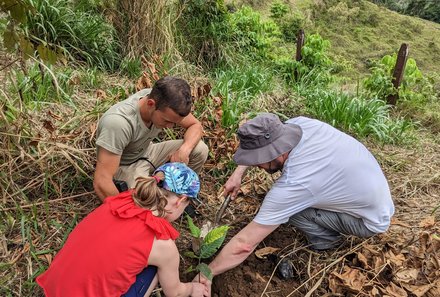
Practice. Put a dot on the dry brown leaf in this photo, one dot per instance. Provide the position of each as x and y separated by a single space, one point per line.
407 275
335 284
352 279
427 222
100 94
397 222
363 260
48 125
374 292
263 252
395 259
378 263
419 291
395 291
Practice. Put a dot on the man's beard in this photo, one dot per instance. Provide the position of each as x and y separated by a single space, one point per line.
278 166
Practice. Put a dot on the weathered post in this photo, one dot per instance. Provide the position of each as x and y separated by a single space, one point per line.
399 69
299 45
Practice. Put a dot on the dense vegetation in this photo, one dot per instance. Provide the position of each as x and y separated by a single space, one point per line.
68 61
425 9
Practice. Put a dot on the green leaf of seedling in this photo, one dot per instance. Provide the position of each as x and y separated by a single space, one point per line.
215 234
190 254
10 39
189 269
212 241
205 270
195 231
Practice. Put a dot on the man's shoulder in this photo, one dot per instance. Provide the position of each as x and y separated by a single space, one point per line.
129 106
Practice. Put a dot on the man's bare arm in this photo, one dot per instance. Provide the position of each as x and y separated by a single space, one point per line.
106 167
193 134
240 247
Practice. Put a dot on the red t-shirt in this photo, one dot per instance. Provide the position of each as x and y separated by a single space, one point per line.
105 252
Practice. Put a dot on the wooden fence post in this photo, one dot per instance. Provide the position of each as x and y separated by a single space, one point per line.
399 69
299 44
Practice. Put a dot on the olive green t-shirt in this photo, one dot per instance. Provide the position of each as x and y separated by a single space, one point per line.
122 131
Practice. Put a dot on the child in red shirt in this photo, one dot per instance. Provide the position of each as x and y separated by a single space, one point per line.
127 236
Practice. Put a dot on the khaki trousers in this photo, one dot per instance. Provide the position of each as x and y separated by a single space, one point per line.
158 154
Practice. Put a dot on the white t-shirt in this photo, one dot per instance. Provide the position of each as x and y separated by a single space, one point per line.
329 170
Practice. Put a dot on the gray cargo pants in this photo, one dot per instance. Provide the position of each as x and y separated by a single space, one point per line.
323 228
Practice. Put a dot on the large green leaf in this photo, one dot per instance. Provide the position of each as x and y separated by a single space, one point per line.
195 231
46 54
215 234
205 270
190 254
212 241
26 47
16 8
10 39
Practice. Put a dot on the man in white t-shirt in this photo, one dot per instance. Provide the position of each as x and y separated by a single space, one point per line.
330 186
126 131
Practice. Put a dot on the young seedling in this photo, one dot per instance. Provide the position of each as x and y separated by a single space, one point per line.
205 246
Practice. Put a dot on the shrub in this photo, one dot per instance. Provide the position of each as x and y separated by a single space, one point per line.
206 245
315 61
204 30
253 36
414 86
278 10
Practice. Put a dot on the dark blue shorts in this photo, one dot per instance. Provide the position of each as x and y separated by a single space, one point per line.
142 283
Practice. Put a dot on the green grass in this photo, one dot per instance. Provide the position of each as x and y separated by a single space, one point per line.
42 85
370 32
358 115
238 88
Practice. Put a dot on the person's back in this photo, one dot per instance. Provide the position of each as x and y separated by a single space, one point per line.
105 253
341 174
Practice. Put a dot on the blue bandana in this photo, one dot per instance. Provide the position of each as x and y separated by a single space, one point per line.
180 179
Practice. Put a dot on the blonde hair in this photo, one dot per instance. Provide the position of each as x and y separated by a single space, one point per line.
148 195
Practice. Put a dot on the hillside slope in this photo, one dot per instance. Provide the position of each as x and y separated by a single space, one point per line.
360 31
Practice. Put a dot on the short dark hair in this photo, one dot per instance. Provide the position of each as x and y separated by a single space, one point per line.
172 92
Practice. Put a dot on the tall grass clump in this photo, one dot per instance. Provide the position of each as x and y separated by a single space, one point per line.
214 37
146 27
358 115
238 87
41 85
77 34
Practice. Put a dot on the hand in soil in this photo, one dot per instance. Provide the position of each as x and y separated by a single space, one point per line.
199 290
